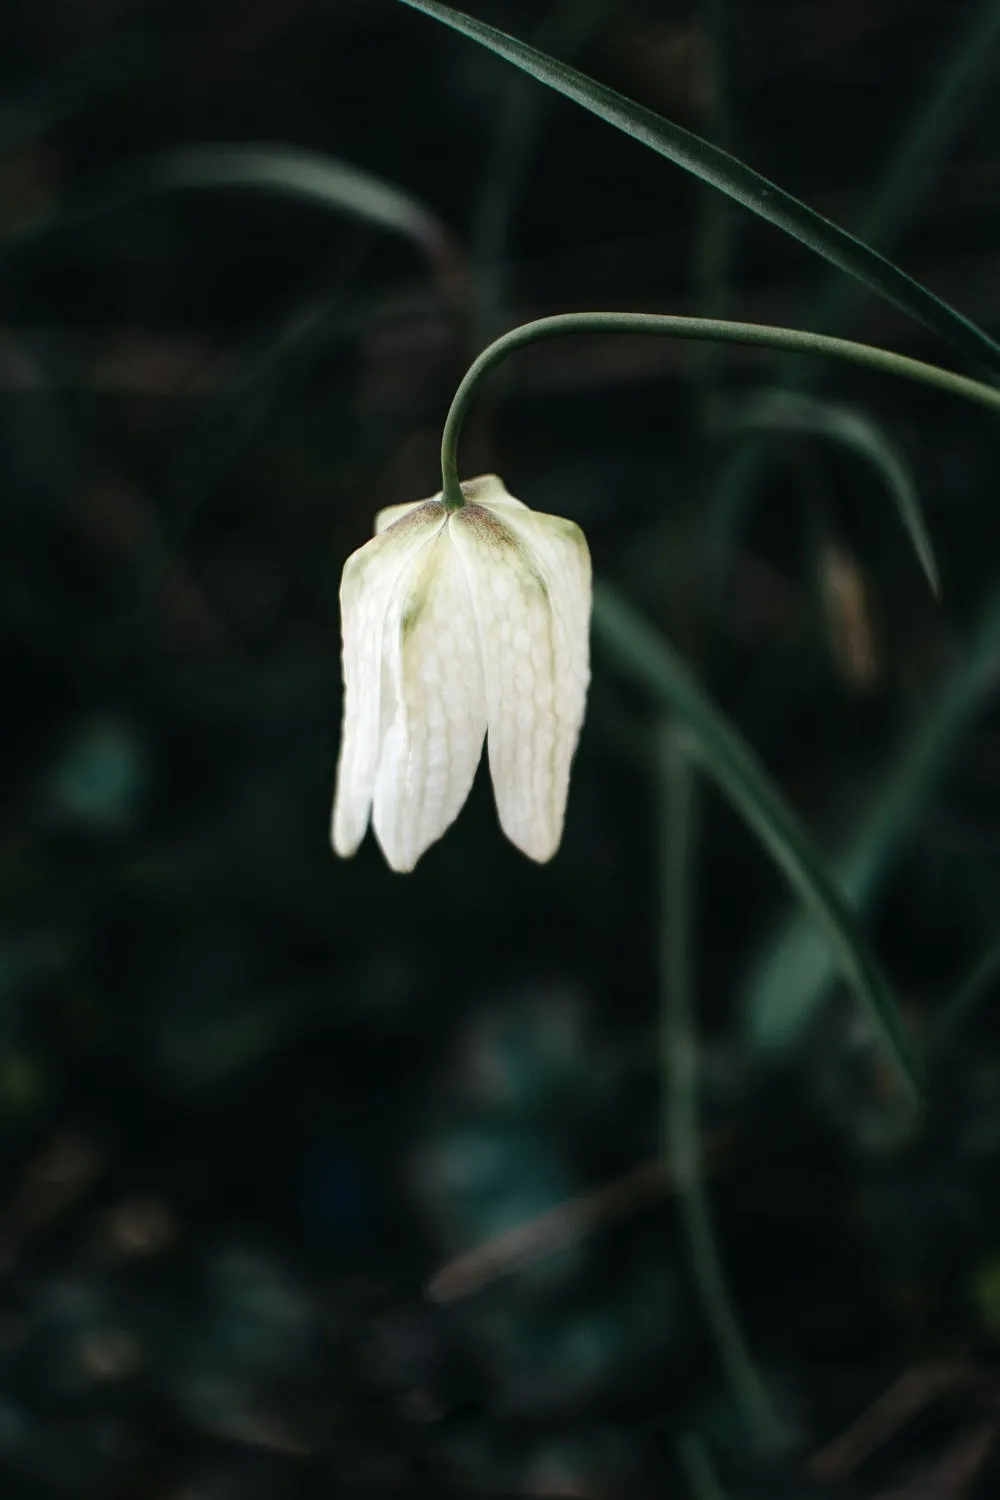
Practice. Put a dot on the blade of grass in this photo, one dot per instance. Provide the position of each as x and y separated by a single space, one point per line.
790 412
307 176
733 177
645 657
679 1060
284 358
794 973
955 90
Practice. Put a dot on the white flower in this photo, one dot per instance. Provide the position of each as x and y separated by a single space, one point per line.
455 623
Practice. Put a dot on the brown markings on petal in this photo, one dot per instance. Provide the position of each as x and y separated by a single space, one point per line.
487 524
431 510
508 547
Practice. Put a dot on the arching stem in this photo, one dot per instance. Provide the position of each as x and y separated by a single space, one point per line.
662 325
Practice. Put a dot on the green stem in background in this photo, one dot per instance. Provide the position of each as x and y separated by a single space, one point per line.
787 413
791 977
644 656
663 325
734 178
955 90
679 1063
307 176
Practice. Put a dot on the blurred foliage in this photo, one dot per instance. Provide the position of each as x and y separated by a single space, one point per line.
318 1181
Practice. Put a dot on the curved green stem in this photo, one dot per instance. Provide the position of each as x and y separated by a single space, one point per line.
679 1050
663 325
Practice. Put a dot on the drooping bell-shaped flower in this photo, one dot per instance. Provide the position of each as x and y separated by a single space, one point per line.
458 624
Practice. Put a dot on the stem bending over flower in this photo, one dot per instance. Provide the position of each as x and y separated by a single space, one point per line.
664 325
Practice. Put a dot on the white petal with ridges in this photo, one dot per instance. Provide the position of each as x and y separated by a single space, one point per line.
370 578
489 490
530 579
433 675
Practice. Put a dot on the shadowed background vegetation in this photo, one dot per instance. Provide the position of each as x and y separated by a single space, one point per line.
589 1179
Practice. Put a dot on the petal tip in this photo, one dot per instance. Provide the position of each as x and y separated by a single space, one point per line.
343 842
400 862
540 847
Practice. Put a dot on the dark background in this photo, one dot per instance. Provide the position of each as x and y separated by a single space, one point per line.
252 1099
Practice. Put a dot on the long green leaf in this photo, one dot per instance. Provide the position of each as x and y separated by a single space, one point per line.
308 176
792 412
734 178
794 973
932 125
678 823
957 88
643 654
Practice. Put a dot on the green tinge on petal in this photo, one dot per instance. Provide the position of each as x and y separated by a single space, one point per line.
433 682
454 623
370 577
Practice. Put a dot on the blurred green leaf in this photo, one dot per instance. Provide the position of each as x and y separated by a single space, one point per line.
677 799
733 177
792 976
790 412
956 89
650 661
308 176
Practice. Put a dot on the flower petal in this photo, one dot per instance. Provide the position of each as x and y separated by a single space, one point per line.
393 513
432 668
489 490
369 579
530 578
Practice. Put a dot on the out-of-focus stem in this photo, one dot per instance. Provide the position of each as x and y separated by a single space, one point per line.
679 1058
